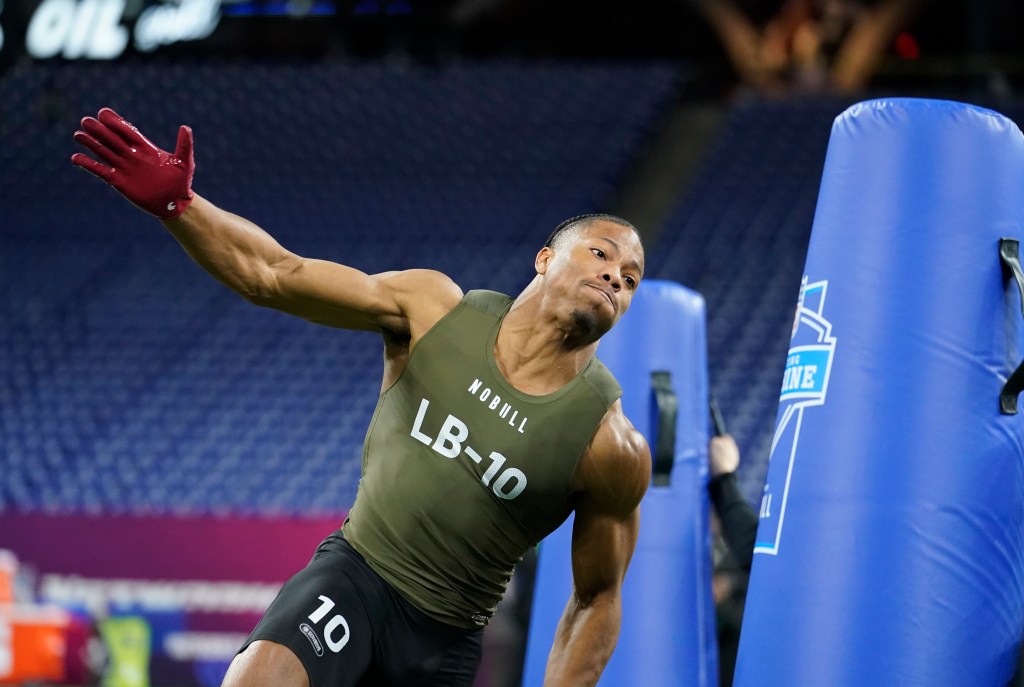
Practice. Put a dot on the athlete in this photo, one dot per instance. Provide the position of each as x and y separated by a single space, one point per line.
494 423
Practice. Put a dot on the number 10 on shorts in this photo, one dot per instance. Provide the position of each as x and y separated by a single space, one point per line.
337 622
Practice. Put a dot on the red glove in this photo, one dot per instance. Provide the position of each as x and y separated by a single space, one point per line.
152 179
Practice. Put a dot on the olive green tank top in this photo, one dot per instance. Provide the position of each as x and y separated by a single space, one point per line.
462 473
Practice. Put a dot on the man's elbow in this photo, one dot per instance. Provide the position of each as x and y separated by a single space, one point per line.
261 299
608 599
257 292
265 284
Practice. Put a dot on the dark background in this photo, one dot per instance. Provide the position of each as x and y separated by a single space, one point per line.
958 44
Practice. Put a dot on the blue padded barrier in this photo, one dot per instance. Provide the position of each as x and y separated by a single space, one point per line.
891 543
668 622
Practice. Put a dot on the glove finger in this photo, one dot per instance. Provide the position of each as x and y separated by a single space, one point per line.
89 165
100 150
123 128
105 136
183 150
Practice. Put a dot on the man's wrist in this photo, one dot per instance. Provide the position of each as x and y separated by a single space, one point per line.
722 488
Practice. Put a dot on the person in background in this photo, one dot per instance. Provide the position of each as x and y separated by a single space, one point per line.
808 45
734 526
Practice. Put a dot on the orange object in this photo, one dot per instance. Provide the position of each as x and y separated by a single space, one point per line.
8 570
32 644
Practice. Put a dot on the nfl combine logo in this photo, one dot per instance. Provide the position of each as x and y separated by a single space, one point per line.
804 384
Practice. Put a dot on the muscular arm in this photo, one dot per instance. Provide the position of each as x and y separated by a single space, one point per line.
246 258
739 520
250 262
614 475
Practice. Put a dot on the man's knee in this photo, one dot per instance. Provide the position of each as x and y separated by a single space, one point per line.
266 664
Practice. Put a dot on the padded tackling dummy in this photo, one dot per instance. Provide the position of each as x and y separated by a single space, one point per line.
658 352
889 550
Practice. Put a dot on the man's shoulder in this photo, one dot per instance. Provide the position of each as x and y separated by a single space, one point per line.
618 436
616 469
422 281
488 301
603 382
424 296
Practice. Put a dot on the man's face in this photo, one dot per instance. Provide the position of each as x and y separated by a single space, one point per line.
596 269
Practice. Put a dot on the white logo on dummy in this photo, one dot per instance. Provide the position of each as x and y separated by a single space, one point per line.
805 384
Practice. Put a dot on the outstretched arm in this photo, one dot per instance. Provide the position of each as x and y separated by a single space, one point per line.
739 520
864 48
250 262
614 474
244 257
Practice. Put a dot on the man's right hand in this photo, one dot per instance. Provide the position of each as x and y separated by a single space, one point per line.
152 179
723 455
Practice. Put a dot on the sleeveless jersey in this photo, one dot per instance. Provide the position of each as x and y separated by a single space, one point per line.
462 473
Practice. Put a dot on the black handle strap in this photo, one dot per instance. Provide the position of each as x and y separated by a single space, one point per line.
1009 253
717 421
666 408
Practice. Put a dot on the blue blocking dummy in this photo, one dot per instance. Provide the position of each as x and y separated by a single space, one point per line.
658 352
890 549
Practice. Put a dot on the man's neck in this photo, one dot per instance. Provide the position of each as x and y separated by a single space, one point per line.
535 349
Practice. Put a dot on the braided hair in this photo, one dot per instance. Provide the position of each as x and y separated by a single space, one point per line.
582 221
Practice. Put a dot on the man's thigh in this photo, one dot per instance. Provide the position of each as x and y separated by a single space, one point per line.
266 664
320 618
415 649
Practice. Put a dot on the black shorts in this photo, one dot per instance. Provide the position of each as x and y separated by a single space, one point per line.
351 628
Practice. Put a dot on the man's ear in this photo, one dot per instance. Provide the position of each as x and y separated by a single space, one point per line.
543 259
